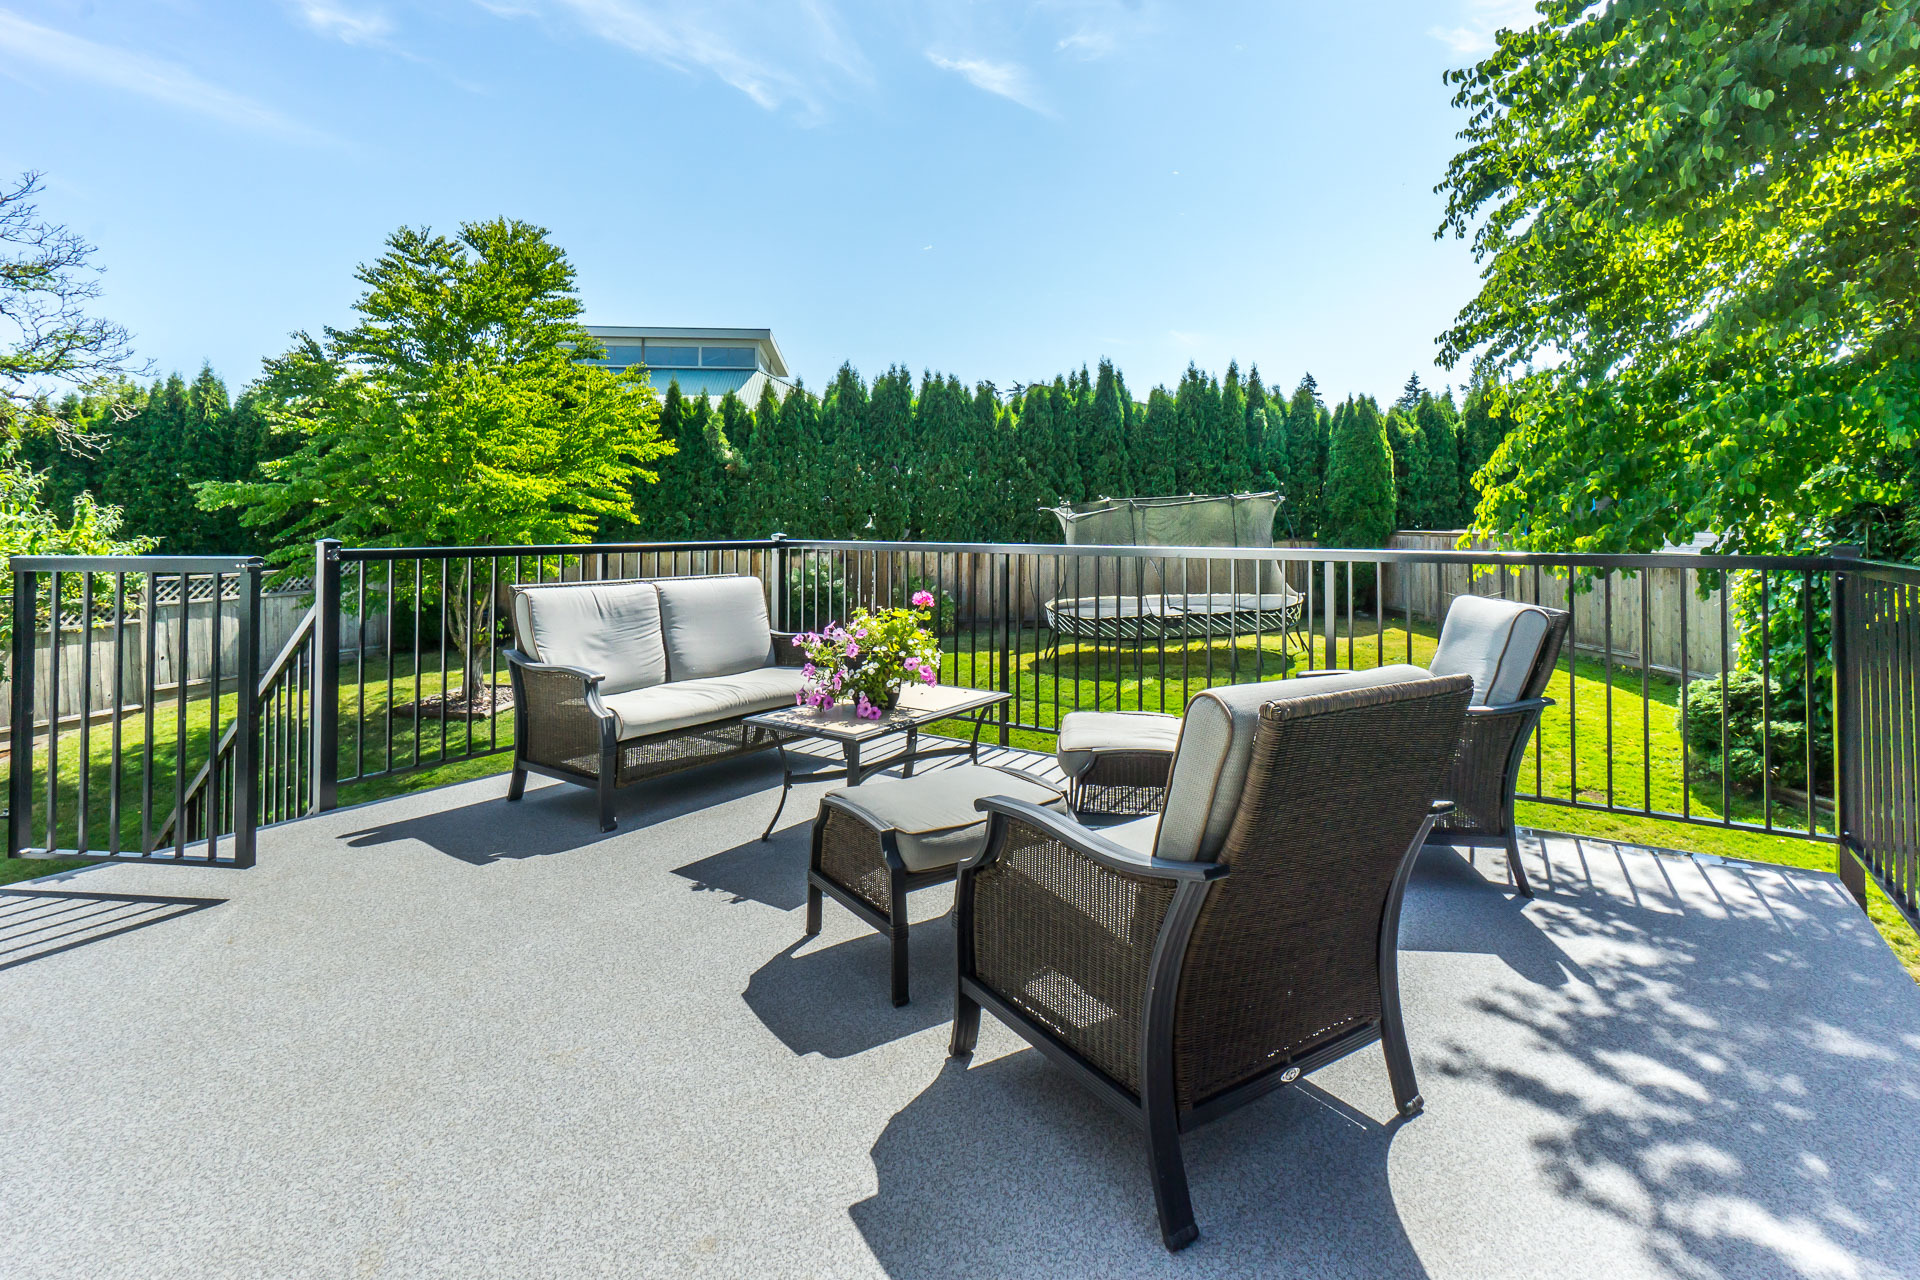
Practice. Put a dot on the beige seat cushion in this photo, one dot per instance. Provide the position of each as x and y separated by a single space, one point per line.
687 703
714 626
932 816
1494 641
1216 744
1085 735
1135 837
609 627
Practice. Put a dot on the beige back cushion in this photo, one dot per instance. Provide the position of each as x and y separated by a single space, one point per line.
1494 641
1216 746
714 626
609 627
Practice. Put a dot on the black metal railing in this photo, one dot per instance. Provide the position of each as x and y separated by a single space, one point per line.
118 700
1695 689
1877 641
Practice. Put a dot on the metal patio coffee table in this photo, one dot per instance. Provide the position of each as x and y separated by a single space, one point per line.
919 705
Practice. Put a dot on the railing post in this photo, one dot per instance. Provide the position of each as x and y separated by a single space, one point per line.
777 588
1327 610
1005 684
20 750
1852 872
326 664
245 769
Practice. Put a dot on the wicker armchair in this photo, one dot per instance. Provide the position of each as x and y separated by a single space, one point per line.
1510 650
1185 964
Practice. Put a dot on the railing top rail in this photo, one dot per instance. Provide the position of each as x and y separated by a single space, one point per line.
550 549
1883 570
1381 555
133 564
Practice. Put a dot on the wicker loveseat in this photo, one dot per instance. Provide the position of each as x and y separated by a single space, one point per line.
614 682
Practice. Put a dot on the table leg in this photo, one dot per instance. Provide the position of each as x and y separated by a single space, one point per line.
913 743
979 719
853 764
786 785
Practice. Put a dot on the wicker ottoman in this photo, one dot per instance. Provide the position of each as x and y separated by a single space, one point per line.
1116 762
874 843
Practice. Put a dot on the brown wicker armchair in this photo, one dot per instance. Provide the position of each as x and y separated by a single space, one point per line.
1185 964
1510 650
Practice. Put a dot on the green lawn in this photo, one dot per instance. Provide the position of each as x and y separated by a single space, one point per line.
1570 751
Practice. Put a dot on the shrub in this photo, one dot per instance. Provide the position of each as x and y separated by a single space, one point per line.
1751 743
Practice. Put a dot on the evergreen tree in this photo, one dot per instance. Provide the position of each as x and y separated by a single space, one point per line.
1235 473
1258 427
737 426
1440 486
1307 428
1359 485
841 425
689 500
1066 437
795 483
1410 394
1156 444
1483 428
1410 468
1103 450
888 455
943 427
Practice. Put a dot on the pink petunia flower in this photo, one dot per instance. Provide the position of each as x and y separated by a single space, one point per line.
923 599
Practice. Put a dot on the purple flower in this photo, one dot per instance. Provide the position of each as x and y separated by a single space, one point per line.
853 650
923 599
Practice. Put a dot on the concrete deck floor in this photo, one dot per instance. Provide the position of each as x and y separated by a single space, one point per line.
442 1035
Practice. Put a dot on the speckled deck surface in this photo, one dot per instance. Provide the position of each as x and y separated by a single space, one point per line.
447 1036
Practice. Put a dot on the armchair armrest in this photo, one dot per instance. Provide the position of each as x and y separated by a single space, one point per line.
1509 708
1088 843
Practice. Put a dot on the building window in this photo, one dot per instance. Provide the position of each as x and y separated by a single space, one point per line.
620 357
662 356
727 357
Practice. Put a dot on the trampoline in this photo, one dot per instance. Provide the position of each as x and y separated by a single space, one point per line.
1165 602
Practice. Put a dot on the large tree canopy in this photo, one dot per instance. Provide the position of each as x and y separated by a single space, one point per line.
1696 219
455 412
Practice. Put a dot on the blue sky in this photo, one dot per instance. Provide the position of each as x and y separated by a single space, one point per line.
1000 190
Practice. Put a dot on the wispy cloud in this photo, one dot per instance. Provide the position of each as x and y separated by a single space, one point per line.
791 55
1481 20
147 77
1009 80
1098 28
348 25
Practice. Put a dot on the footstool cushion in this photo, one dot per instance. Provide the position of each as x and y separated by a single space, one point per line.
1086 735
932 816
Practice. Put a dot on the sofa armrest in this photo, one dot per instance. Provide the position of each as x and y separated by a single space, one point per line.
785 653
559 720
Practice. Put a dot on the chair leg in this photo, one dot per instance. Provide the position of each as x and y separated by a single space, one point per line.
1515 867
897 917
517 784
966 1025
1169 1170
813 909
1393 1044
607 821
